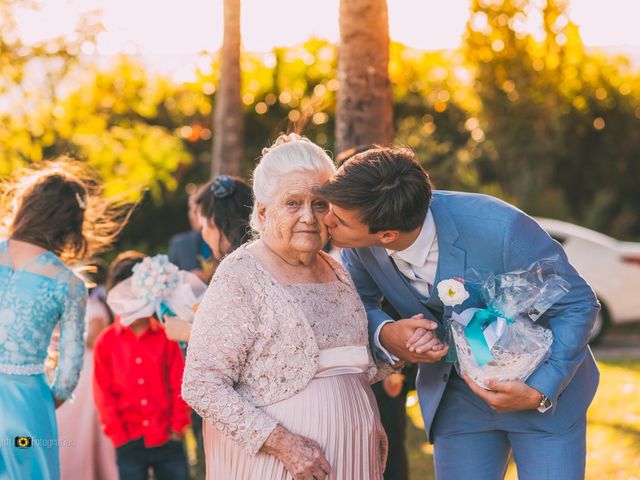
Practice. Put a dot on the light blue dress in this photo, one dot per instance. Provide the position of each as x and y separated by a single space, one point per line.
33 299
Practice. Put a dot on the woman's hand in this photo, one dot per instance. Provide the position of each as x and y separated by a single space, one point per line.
177 329
302 457
424 340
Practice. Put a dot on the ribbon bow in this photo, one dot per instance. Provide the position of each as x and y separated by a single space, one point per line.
483 328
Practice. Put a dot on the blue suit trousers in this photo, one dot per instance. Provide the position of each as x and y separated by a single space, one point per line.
473 442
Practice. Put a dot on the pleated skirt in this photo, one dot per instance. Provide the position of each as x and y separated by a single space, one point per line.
339 412
27 413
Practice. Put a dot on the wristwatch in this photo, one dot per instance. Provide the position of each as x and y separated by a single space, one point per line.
544 405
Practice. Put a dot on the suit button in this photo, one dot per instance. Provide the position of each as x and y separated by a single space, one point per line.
445 377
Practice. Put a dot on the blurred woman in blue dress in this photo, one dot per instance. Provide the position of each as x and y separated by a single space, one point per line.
51 215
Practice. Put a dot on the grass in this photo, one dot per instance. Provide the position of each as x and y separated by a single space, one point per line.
613 430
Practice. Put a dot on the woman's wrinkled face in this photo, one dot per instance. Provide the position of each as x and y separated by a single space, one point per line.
293 223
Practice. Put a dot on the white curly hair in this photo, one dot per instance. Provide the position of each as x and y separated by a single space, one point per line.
290 153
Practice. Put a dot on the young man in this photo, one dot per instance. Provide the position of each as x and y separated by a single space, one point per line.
400 239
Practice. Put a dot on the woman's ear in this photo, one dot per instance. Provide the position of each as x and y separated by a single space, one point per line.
262 212
260 216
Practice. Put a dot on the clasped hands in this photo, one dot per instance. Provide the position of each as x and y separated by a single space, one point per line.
414 340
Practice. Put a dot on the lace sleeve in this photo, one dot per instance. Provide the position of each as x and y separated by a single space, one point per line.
223 332
72 326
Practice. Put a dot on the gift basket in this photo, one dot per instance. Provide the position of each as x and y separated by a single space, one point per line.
502 340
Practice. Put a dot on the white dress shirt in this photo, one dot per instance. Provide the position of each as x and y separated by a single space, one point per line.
418 263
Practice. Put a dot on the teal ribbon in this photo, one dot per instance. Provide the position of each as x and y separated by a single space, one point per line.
474 331
164 310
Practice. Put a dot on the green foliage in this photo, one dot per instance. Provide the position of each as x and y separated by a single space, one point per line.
558 117
527 115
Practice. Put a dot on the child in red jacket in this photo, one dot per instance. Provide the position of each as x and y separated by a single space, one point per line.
137 378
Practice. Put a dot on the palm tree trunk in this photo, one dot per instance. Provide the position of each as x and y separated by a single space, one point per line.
228 115
364 112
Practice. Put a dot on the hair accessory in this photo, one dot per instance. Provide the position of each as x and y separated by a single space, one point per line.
81 202
222 186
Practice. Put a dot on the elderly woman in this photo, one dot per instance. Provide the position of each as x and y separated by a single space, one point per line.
278 364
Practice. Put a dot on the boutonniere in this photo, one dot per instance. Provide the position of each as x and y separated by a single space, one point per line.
452 292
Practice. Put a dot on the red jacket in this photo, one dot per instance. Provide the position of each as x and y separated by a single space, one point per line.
136 384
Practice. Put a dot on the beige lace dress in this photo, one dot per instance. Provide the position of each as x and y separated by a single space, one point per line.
262 353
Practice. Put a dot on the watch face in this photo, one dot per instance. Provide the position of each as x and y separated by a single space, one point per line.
544 405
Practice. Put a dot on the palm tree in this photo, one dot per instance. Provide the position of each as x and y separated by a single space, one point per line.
364 112
228 115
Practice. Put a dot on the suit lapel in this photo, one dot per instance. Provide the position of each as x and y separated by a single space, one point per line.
400 283
451 259
451 263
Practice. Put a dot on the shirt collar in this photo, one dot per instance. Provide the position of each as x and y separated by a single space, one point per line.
417 253
154 325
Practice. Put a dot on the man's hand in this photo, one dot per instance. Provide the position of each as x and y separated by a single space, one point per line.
506 396
395 337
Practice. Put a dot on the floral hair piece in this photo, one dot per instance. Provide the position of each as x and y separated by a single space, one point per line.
222 186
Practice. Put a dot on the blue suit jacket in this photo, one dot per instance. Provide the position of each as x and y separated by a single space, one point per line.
184 249
484 233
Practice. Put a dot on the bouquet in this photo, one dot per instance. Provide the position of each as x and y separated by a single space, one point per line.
502 341
156 287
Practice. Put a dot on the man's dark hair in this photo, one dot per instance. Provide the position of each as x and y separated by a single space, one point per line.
387 186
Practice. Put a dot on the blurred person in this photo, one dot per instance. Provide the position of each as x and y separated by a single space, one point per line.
92 455
391 396
137 378
97 272
223 208
278 363
188 250
52 214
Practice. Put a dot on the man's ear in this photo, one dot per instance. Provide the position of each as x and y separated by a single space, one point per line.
388 236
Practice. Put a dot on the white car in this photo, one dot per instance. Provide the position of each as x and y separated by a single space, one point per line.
611 267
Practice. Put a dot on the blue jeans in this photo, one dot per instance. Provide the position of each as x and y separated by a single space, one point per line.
168 461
